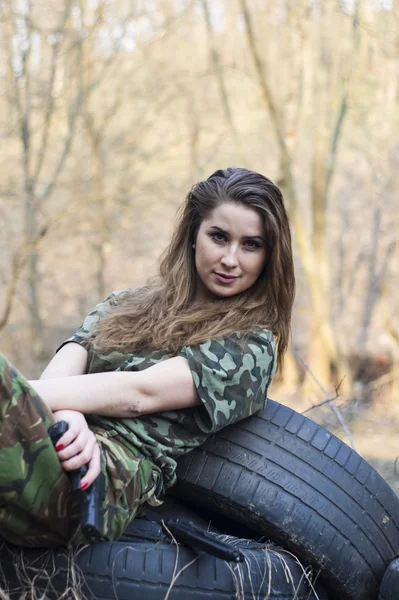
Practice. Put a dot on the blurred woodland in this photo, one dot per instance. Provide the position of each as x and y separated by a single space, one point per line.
111 109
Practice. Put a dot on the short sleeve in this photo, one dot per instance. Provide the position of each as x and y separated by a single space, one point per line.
231 374
83 335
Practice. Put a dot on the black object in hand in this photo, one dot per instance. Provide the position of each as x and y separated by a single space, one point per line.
91 512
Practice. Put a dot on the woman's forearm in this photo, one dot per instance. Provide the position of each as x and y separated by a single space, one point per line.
108 394
164 386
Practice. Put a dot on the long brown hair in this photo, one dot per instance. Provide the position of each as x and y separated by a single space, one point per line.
162 314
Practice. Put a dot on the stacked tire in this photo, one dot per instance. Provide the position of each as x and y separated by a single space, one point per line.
289 479
147 564
389 589
276 476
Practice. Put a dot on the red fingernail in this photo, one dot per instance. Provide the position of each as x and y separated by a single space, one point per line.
59 447
84 485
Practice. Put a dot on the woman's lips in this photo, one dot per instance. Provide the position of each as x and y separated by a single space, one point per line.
225 278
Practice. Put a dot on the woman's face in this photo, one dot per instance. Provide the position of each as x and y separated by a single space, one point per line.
230 251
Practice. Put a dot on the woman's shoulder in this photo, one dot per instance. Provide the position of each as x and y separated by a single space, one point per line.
103 307
257 335
236 344
117 294
260 333
113 299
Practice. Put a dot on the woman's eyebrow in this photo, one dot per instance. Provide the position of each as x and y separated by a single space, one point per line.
254 237
245 237
216 228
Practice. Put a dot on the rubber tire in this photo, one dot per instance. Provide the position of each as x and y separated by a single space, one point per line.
173 508
144 566
389 589
289 479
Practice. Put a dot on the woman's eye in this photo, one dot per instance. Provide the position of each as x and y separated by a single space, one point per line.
218 237
251 245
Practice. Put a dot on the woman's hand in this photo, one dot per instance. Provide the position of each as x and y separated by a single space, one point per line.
78 446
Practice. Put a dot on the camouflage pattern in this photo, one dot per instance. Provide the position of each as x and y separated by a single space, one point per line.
231 373
36 506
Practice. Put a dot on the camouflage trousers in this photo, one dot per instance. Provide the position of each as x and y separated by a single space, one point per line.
36 505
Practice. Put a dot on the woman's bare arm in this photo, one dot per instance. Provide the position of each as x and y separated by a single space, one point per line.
70 360
168 385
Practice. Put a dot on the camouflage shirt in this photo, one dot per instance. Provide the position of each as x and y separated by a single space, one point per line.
231 374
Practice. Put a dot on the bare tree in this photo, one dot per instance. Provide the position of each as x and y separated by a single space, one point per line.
219 70
292 90
331 108
25 61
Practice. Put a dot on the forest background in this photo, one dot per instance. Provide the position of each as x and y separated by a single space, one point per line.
111 109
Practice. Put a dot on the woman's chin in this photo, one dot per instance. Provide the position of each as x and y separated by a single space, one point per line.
219 294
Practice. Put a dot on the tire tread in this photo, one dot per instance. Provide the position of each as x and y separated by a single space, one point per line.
304 481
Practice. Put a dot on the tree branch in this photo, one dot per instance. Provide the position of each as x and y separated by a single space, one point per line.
330 401
215 57
344 101
50 96
19 261
72 117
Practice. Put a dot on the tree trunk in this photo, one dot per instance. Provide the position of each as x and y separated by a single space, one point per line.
325 351
102 226
31 235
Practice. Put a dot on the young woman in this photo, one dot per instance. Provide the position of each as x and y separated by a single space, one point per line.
152 372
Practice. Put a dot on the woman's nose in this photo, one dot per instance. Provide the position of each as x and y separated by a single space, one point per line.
230 258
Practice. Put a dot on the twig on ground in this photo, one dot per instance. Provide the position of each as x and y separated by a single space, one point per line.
330 401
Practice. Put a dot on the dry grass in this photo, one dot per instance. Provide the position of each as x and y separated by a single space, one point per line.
243 571
36 577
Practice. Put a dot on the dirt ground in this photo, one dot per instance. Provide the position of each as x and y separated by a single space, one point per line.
373 424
